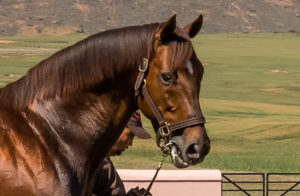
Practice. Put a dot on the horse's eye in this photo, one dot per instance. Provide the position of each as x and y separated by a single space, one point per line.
168 78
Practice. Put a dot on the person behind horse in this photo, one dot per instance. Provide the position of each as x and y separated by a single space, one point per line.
108 181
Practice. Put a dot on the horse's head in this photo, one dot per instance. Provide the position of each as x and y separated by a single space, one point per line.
173 81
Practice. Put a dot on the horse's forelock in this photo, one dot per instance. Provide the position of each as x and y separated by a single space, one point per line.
180 48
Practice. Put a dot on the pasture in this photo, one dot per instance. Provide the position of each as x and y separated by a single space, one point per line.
250 97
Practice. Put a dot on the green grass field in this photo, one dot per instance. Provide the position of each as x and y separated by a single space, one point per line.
250 96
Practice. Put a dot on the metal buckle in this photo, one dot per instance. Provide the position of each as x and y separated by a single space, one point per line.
165 130
145 65
145 83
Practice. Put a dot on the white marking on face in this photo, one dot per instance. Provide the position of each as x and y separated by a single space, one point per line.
190 67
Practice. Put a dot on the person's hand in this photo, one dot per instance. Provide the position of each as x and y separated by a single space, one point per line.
137 192
142 191
134 192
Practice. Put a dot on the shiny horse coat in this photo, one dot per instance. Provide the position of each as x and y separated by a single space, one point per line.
58 121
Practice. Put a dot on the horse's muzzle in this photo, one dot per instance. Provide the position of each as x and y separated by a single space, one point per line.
176 158
186 153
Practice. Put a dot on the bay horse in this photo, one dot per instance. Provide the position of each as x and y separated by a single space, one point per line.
59 120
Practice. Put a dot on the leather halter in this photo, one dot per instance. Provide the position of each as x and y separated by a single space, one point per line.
165 128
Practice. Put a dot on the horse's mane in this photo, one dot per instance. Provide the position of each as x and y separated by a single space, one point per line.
81 66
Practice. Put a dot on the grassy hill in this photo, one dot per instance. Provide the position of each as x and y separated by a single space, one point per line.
250 96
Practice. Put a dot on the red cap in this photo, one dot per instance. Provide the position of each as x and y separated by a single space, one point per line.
136 127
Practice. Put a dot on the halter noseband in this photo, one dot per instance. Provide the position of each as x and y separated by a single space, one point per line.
165 128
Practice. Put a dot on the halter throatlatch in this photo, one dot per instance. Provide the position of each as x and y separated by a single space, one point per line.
165 129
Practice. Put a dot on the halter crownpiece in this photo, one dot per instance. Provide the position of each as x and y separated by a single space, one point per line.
143 68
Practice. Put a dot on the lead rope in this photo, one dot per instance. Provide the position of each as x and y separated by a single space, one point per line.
155 175
165 152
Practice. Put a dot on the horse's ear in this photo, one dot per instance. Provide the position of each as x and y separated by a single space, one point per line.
166 29
193 29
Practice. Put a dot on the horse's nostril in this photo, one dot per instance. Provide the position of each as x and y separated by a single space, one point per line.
193 151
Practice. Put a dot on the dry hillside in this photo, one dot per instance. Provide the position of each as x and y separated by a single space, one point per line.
91 16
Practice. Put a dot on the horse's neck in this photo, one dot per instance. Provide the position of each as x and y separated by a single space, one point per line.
85 127
85 118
